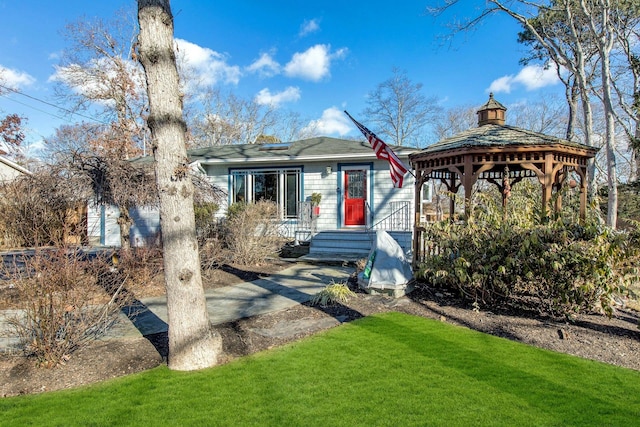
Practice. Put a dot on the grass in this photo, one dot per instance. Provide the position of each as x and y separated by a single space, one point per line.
390 369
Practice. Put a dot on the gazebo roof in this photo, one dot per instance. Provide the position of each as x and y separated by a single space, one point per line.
503 136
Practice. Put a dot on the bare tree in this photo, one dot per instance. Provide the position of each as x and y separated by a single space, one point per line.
456 120
570 32
11 128
547 114
291 126
97 73
626 78
601 23
193 344
226 118
11 133
400 110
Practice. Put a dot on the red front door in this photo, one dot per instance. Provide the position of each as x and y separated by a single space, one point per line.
355 190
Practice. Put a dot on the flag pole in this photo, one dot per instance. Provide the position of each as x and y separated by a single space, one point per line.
366 131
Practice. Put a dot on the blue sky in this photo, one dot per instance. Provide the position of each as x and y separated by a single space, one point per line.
316 58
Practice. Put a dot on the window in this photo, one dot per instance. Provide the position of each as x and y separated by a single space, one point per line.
278 185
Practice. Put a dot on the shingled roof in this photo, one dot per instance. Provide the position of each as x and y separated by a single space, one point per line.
319 148
491 135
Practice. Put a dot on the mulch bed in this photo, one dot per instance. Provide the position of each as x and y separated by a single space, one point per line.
615 341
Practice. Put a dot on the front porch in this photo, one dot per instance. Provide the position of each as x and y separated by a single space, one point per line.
352 244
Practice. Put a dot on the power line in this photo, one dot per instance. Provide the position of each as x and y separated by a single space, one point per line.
34 108
52 105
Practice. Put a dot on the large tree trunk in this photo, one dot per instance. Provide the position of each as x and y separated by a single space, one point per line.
612 179
193 344
599 20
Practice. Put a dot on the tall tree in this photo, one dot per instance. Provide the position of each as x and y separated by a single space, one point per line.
601 24
97 73
400 110
626 76
229 119
193 344
11 133
569 32
226 118
455 120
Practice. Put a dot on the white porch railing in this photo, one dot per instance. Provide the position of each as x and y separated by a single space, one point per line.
397 220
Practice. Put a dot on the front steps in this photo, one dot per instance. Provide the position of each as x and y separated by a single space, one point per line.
348 245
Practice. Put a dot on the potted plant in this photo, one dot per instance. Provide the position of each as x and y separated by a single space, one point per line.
315 203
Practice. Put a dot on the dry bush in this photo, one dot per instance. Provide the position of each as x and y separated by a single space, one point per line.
252 232
67 300
40 209
143 269
213 254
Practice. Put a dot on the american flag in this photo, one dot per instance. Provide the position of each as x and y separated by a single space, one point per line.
397 169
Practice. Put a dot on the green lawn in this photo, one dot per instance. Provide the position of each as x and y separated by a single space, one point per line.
390 369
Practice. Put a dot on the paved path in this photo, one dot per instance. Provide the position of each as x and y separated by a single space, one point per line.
292 286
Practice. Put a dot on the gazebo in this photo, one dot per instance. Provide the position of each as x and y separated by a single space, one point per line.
502 155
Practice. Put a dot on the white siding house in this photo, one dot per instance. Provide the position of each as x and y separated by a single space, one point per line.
356 187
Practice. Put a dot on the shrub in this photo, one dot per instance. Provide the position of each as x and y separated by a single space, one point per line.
206 224
235 209
555 267
40 209
333 294
67 300
212 254
252 232
141 267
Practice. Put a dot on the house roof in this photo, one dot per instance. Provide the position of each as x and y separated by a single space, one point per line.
492 135
13 165
318 148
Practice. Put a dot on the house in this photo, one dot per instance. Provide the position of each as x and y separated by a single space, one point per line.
356 190
10 170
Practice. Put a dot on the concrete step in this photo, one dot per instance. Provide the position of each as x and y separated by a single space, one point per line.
341 242
350 245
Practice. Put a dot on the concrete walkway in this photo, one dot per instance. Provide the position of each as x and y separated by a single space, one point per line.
294 285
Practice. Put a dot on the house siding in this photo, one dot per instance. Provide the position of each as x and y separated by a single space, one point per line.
384 193
313 157
103 228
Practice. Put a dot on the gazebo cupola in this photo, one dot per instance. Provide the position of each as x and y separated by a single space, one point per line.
491 113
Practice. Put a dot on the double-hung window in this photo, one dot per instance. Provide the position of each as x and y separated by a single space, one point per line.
281 186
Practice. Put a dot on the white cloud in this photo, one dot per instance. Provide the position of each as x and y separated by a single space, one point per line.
314 63
209 66
14 78
503 84
532 77
332 122
265 97
309 27
266 66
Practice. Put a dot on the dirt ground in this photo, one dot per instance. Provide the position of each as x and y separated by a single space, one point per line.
615 341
